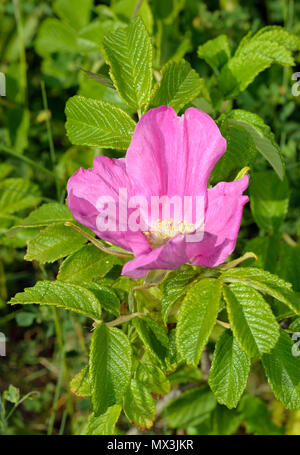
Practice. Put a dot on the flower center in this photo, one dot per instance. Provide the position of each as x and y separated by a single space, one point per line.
164 230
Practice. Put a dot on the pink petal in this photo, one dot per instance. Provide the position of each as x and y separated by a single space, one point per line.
169 256
85 187
222 222
171 155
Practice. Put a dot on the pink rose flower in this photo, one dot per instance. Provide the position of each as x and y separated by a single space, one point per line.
168 156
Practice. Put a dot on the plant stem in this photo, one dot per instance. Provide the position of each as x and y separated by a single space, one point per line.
49 130
2 416
20 402
63 367
95 242
50 135
223 324
27 160
288 239
56 395
23 64
123 319
235 262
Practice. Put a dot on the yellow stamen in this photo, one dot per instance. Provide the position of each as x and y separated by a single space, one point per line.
164 230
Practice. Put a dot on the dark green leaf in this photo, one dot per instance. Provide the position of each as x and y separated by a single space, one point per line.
110 367
139 405
196 318
229 371
98 124
128 51
283 372
66 295
251 319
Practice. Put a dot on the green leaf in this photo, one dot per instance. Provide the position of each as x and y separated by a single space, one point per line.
254 54
110 367
105 423
46 214
89 38
54 36
253 274
197 317
80 384
251 319
221 421
180 85
269 198
128 9
153 378
163 10
266 283
240 71
86 264
25 319
5 170
65 295
295 325
17 194
288 266
76 13
269 49
52 243
241 152
174 357
191 408
97 123
128 52
262 137
229 371
225 421
175 287
257 417
12 394
215 52
289 298
139 405
266 249
107 296
279 35
283 372
154 337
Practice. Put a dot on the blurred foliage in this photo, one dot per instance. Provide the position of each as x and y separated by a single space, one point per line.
44 45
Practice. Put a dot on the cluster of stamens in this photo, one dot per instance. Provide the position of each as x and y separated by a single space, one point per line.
164 230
